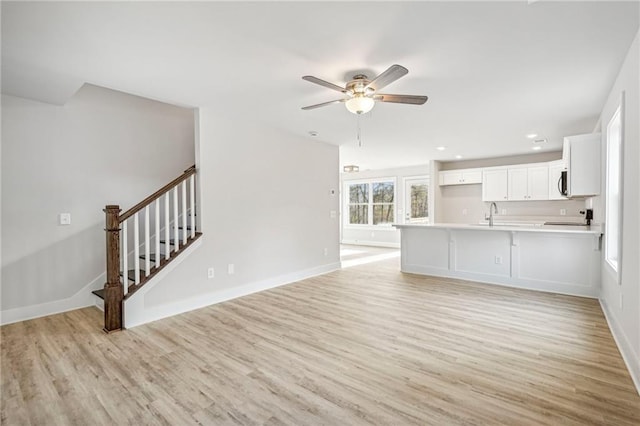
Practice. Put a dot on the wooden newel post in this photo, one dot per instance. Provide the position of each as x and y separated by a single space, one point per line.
113 291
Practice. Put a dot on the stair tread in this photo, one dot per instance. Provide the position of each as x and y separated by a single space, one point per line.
131 275
172 241
99 293
152 256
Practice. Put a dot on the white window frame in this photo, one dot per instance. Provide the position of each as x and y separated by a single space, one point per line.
613 201
370 182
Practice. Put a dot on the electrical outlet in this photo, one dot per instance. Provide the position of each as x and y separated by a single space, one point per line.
373 234
563 212
231 269
464 212
326 251
211 273
65 219
498 260
504 211
333 214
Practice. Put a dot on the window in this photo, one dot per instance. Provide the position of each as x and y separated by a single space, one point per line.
371 202
612 201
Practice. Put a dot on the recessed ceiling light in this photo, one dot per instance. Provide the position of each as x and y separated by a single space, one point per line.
313 133
458 157
536 148
441 148
532 135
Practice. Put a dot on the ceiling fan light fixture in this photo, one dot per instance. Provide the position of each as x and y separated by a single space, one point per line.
360 104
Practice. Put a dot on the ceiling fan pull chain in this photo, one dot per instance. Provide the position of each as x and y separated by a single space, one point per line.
359 133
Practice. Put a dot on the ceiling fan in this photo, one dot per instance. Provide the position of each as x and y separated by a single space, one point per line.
362 93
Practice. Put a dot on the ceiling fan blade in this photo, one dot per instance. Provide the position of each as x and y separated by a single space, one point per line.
392 73
316 80
401 99
337 101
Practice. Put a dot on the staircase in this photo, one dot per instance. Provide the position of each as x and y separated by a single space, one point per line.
145 239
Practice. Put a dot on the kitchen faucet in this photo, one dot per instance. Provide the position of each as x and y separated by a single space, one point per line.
492 207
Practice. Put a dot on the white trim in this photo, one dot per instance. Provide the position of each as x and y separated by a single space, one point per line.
81 299
376 228
370 243
136 313
631 359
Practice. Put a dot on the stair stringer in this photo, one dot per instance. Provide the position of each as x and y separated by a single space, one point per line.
134 311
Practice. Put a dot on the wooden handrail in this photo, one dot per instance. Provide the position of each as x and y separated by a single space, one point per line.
159 193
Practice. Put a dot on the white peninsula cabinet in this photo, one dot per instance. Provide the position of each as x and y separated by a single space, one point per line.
547 258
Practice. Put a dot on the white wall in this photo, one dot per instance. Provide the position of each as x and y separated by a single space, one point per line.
102 147
265 207
376 235
625 318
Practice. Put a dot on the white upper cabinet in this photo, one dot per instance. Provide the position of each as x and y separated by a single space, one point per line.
460 177
581 154
538 182
494 185
518 184
555 173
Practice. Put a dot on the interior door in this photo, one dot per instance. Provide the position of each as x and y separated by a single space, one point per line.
416 206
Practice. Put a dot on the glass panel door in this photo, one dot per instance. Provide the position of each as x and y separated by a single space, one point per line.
416 196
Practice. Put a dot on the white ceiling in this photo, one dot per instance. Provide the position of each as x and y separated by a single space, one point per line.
493 71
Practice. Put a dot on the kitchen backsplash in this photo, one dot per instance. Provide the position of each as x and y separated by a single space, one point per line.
463 204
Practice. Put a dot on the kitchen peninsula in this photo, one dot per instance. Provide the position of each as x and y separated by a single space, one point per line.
559 259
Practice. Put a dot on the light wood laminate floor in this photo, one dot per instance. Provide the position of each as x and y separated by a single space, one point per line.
364 345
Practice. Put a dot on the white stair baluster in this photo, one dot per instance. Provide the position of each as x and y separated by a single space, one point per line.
125 257
167 227
184 213
147 243
176 235
192 206
136 251
157 232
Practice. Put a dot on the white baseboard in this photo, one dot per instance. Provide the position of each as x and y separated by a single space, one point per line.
136 313
81 299
370 243
631 359
506 281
